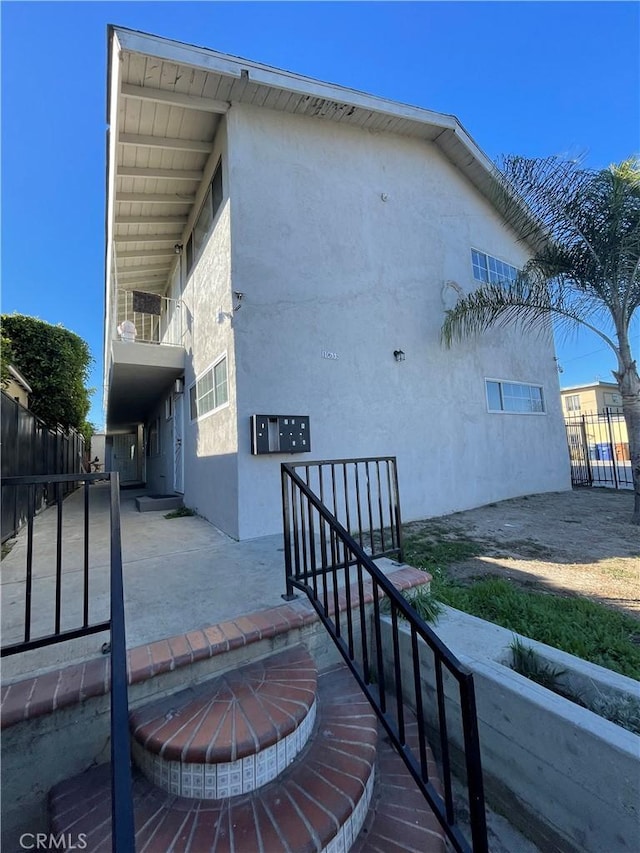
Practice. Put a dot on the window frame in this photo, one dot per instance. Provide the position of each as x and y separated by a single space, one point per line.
222 358
487 266
503 411
570 403
213 197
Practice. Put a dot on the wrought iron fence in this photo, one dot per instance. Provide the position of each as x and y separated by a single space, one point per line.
30 447
599 450
347 590
363 494
123 835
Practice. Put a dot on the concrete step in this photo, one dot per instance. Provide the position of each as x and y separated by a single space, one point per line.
157 503
232 734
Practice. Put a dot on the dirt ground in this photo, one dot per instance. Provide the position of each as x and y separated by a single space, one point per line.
577 542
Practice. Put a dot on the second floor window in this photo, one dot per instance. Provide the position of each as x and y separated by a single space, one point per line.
202 225
490 270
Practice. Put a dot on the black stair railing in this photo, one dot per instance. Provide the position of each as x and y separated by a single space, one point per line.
50 490
352 598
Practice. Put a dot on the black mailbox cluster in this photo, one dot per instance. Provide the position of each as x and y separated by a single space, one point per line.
280 434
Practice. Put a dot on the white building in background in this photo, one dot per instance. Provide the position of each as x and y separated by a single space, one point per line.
285 247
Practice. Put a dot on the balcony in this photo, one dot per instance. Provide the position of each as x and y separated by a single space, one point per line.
147 354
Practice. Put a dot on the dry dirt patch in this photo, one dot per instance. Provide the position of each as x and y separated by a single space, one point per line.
572 543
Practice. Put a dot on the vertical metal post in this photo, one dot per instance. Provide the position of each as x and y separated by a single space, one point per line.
473 763
58 556
585 445
417 686
396 502
122 823
397 674
444 742
31 491
86 554
286 518
614 467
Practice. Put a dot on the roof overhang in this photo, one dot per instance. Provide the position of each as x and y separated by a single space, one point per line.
19 378
165 103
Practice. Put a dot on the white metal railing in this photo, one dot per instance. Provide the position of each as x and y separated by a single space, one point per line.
161 323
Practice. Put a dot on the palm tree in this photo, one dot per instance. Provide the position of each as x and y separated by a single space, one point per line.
583 230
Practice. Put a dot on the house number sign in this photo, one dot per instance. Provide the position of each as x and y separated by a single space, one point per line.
328 354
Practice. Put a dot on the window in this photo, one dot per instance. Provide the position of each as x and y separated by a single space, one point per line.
490 270
210 391
514 397
572 403
204 221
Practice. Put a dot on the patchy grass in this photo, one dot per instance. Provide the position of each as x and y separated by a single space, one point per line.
574 624
528 663
181 512
428 549
423 602
623 711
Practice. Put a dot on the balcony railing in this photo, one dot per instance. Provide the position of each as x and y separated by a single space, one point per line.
148 318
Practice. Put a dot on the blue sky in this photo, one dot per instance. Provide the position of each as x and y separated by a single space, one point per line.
526 78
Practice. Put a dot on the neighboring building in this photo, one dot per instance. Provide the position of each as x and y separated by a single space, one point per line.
590 399
597 408
17 387
285 247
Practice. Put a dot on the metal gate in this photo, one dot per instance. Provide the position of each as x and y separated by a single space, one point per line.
599 450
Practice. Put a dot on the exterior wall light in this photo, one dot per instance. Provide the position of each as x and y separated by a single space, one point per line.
398 354
178 248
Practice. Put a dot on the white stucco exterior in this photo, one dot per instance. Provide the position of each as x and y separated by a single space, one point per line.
349 242
343 241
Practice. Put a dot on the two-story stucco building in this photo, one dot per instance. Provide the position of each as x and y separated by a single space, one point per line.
278 246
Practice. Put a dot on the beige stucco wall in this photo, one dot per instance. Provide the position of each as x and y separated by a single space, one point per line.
17 392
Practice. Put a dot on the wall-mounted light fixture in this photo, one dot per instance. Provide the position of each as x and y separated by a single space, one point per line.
239 295
178 248
398 354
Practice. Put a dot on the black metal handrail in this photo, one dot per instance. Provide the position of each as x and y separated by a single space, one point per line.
363 492
123 832
323 560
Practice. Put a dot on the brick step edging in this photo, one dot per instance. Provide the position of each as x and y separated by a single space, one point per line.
318 803
231 734
61 688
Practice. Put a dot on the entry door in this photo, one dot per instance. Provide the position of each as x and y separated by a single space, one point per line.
125 456
178 448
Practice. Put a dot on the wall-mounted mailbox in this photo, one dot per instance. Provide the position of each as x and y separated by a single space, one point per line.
280 434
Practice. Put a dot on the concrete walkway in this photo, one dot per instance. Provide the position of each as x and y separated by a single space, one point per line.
179 574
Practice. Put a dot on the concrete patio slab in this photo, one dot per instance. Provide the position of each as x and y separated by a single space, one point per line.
180 574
